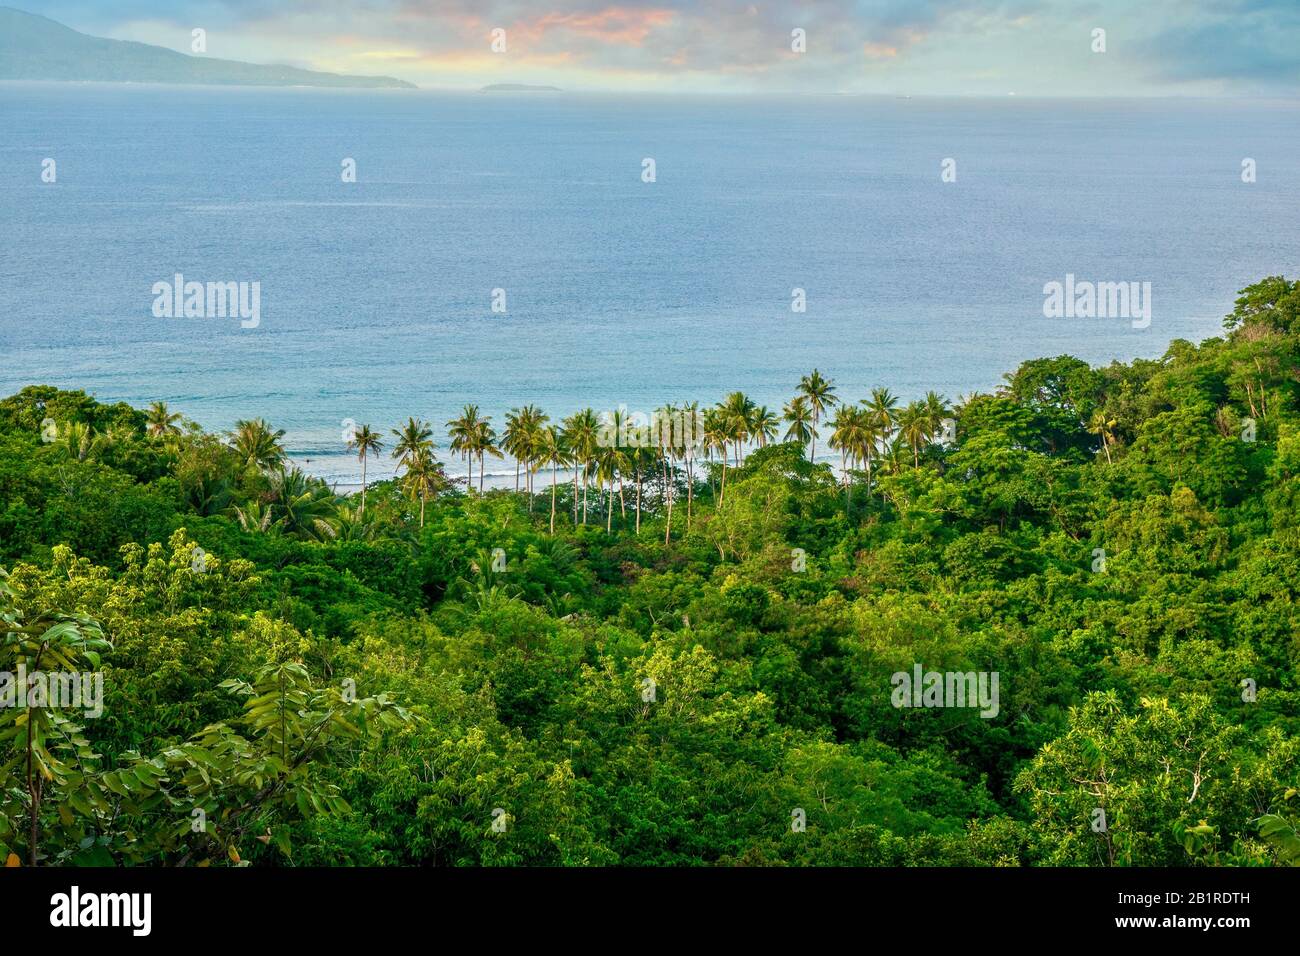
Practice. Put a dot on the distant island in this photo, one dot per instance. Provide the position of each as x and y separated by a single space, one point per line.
519 88
36 48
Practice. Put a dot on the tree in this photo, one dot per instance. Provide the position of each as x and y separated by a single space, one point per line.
161 422
256 445
820 394
366 443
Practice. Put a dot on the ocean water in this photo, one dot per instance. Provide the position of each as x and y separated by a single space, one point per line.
375 296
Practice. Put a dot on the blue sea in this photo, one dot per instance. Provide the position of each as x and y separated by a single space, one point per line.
376 295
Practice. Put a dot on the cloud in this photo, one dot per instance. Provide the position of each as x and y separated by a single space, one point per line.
892 45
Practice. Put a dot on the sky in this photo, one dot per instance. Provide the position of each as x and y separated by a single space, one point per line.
892 47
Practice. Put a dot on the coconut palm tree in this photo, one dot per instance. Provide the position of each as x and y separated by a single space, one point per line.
937 410
551 451
914 428
253 516
306 505
581 437
160 422
820 393
737 412
257 446
764 425
799 414
463 431
367 443
1103 428
716 436
351 525
413 440
484 442
424 477
531 421
883 407
851 436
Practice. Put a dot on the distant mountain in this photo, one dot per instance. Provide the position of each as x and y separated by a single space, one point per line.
518 88
35 48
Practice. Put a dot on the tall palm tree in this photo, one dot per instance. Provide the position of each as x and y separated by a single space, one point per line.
413 440
1103 428
513 440
463 431
256 445
581 437
883 407
551 451
914 428
764 425
820 393
367 443
798 413
531 421
424 477
484 442
849 436
160 422
716 436
937 410
737 412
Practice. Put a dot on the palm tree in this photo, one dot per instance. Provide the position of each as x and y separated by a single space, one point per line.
692 433
737 412
413 440
937 410
483 442
914 428
253 516
581 437
764 425
716 436
1101 426
799 414
530 422
366 443
256 445
76 441
424 477
850 436
551 451
306 504
820 393
463 431
513 440
352 525
159 422
883 407
873 436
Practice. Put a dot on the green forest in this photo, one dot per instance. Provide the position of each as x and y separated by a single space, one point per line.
643 653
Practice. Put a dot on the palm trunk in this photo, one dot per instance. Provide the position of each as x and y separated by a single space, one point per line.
690 492
552 500
668 493
422 497
609 509
638 502
363 484
481 469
